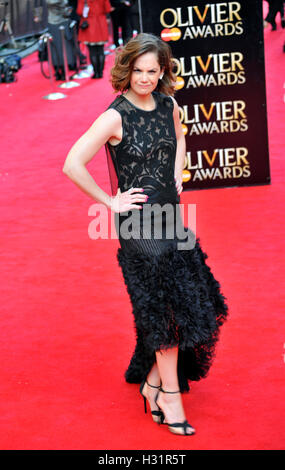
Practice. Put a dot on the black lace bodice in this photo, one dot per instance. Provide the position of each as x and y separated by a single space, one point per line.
145 157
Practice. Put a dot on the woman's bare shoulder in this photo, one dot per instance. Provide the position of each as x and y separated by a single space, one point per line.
107 125
175 104
113 114
108 118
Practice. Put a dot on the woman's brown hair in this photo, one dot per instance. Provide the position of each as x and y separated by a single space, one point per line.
135 47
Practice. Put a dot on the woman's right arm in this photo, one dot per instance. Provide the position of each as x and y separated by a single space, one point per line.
108 125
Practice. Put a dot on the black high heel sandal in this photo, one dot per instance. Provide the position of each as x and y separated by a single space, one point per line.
183 425
157 415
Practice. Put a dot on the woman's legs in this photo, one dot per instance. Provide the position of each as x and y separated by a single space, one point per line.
149 392
97 59
170 403
93 59
101 60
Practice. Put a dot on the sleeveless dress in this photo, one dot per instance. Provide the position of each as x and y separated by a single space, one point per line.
176 301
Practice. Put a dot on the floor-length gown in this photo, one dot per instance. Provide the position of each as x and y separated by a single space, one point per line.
176 300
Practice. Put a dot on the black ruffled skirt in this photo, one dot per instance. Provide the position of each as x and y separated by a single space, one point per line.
176 301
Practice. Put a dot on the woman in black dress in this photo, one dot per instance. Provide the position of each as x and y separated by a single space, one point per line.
177 304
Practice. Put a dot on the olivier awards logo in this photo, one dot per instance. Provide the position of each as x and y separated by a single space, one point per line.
219 117
223 163
219 69
192 22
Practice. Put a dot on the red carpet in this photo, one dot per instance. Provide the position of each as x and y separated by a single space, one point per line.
66 328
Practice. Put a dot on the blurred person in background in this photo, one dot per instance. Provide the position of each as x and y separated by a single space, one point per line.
75 17
93 31
134 16
275 7
59 15
121 17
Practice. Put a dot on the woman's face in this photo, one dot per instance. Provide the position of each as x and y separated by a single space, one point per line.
145 74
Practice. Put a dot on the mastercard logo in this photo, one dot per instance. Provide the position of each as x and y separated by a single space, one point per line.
173 34
185 129
179 83
186 176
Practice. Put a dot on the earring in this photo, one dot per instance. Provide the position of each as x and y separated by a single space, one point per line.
161 76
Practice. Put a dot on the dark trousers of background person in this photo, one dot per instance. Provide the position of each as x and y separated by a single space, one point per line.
57 49
275 6
74 16
97 59
134 18
121 17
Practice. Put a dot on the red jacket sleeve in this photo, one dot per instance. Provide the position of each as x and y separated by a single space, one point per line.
80 5
107 6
